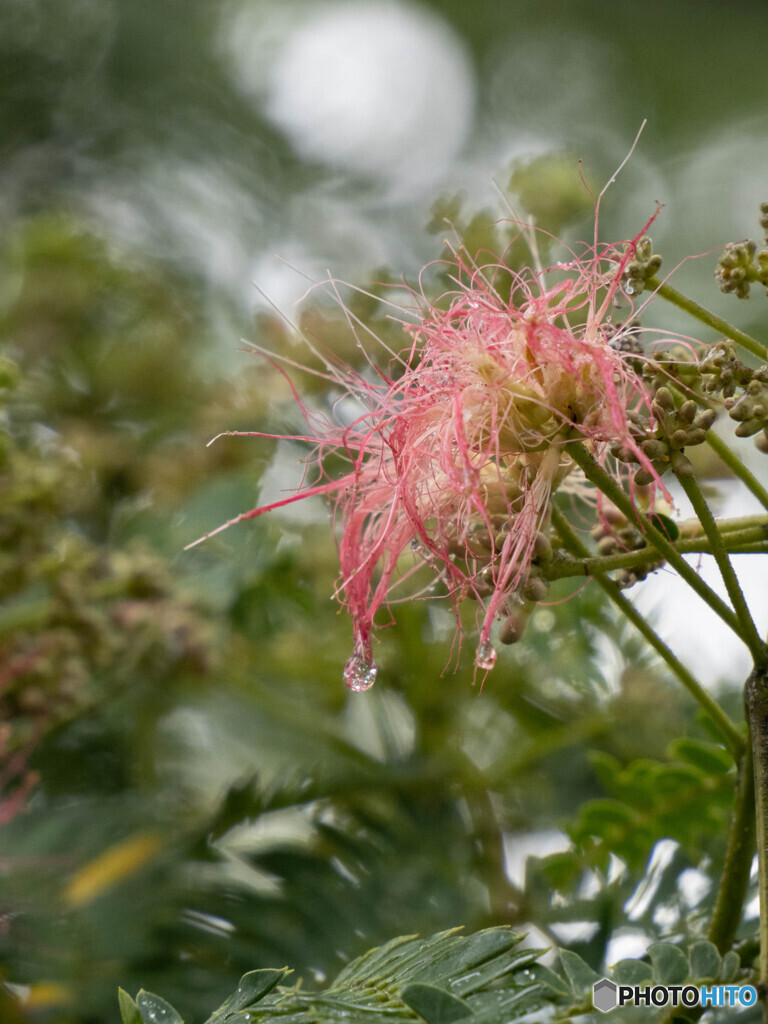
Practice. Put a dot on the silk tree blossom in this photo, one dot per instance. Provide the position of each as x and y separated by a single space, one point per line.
456 456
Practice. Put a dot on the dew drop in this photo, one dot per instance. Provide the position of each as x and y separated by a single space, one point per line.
485 656
360 672
629 289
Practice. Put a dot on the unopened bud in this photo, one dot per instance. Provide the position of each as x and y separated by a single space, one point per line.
535 589
664 399
542 547
705 419
688 410
696 435
749 427
512 629
607 546
654 448
681 465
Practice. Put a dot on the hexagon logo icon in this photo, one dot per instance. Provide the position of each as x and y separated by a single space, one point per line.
604 995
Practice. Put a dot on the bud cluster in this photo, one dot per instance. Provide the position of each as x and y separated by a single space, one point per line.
722 373
741 265
750 410
644 265
535 588
663 445
615 535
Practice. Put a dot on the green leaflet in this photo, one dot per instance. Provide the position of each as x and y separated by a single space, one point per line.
481 978
670 964
155 1010
434 1005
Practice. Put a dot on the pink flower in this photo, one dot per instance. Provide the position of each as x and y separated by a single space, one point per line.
455 458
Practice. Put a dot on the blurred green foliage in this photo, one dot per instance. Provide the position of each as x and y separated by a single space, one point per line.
206 798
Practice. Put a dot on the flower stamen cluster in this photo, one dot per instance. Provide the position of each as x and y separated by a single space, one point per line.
456 458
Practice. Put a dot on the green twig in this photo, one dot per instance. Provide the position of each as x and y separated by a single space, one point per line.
734 882
737 467
666 291
604 482
689 527
730 733
752 539
749 633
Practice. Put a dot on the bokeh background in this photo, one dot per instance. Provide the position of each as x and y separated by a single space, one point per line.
188 790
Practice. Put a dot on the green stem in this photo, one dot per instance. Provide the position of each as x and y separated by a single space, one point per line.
755 538
731 539
748 549
604 482
730 733
666 291
756 700
734 525
734 882
749 633
732 892
737 467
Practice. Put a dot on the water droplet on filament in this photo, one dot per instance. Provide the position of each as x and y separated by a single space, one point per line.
485 657
360 672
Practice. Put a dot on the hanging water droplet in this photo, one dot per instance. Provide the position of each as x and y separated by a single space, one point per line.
360 672
629 289
485 656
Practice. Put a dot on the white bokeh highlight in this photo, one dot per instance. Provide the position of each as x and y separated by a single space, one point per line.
378 88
